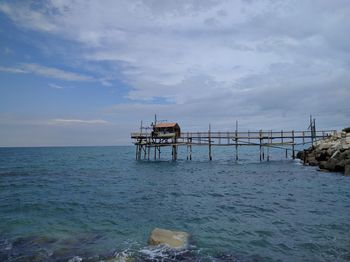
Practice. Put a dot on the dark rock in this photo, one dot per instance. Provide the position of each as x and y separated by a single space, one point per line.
347 170
330 164
312 161
322 156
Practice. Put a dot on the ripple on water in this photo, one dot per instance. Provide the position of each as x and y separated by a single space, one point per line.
98 201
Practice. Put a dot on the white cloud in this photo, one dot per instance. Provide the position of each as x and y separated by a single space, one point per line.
13 70
56 86
46 72
268 61
33 19
60 121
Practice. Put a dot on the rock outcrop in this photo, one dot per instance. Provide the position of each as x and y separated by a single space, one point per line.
174 239
331 153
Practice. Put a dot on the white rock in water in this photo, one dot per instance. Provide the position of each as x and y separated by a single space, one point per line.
325 146
174 239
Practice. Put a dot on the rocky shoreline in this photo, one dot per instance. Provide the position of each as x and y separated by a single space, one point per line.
331 153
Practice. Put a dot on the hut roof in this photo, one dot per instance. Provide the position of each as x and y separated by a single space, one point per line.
160 125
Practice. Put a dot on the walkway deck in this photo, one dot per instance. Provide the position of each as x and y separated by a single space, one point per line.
286 140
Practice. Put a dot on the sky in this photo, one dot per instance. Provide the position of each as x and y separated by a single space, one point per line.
86 73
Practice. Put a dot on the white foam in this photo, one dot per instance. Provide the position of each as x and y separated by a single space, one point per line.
122 256
157 251
75 259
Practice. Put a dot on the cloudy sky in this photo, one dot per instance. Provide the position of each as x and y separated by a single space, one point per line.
86 72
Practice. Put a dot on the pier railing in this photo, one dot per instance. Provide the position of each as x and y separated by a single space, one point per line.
286 140
243 135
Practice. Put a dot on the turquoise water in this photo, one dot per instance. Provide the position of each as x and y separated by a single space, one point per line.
94 203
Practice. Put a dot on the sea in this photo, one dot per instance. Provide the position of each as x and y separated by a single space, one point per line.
100 204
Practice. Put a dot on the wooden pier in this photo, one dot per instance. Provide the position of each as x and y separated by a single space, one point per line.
148 140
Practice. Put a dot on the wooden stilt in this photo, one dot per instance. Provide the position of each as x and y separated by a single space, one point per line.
236 140
260 145
144 140
191 150
209 136
293 144
187 151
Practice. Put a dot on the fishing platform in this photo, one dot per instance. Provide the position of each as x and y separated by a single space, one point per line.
168 134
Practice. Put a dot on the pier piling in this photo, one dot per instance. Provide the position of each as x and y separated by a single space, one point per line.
285 140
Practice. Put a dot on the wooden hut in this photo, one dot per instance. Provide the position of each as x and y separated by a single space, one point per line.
166 130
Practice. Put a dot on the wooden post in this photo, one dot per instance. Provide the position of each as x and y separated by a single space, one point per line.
137 149
268 148
286 153
263 153
293 153
173 149
260 144
187 149
263 148
191 150
236 138
209 136
281 136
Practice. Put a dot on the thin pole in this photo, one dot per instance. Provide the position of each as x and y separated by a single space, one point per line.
260 144
293 153
281 136
268 148
191 149
236 135
209 136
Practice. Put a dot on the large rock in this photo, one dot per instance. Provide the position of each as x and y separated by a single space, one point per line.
347 170
312 161
325 146
174 239
329 165
331 153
